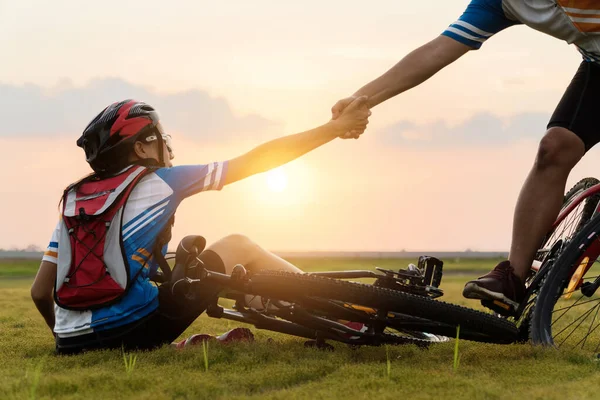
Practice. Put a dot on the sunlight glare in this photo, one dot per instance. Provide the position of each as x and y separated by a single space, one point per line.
277 180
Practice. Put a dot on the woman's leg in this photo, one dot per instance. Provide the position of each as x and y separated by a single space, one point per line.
238 249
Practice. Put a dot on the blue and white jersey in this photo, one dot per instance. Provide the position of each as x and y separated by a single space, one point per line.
147 212
574 21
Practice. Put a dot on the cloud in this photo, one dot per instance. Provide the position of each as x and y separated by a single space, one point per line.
33 111
481 130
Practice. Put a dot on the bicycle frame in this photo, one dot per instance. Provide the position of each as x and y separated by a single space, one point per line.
587 193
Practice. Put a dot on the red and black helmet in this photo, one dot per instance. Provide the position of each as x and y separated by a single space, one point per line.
108 138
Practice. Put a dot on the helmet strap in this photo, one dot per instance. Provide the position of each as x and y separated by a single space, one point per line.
161 146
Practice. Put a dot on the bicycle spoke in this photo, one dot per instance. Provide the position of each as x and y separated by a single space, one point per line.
582 317
569 223
590 330
567 310
570 220
590 277
553 322
573 305
563 227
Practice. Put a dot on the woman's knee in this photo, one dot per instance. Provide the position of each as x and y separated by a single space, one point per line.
237 247
559 148
239 241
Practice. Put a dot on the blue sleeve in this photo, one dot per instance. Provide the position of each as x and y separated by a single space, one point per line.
187 180
481 20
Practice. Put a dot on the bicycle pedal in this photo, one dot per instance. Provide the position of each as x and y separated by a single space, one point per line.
500 307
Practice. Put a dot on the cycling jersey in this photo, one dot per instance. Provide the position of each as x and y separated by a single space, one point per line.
574 21
147 212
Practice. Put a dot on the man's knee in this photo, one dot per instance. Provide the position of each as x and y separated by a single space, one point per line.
559 148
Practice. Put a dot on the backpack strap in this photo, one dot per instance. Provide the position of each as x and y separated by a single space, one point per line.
161 240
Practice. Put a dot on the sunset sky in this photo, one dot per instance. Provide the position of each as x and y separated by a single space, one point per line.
440 167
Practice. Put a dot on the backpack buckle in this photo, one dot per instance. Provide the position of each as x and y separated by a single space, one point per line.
82 215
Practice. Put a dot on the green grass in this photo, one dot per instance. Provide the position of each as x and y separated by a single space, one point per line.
18 268
283 368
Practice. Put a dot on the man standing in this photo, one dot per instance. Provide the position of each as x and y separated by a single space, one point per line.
571 131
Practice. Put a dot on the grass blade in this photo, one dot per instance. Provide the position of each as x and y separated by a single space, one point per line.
389 363
456 355
129 362
205 351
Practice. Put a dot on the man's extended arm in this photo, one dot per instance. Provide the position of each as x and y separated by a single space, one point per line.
414 69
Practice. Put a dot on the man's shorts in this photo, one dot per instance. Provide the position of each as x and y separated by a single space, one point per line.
161 327
579 108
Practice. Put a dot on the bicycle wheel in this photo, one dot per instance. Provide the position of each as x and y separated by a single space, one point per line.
474 325
554 243
566 312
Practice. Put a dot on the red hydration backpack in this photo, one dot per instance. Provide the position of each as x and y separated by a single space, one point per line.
92 270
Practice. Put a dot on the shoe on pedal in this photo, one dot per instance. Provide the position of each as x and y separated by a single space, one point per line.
501 290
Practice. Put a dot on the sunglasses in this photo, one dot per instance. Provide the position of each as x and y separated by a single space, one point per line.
166 139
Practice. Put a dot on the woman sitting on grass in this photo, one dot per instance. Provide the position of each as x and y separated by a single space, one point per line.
93 286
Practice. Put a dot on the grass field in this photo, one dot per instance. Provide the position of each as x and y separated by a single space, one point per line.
18 268
282 368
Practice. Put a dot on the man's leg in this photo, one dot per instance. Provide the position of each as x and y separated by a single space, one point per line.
538 206
542 195
573 130
238 249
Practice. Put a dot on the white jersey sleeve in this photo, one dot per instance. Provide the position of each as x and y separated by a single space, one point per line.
51 253
187 180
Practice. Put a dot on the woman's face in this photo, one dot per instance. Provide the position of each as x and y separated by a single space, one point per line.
149 148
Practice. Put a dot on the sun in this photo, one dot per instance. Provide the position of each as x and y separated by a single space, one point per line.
277 180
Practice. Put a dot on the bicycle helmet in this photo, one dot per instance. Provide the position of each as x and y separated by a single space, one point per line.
108 138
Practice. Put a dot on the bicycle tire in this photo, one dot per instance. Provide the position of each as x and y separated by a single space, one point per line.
589 207
591 202
554 284
474 325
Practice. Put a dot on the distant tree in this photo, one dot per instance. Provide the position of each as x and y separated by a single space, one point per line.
33 248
